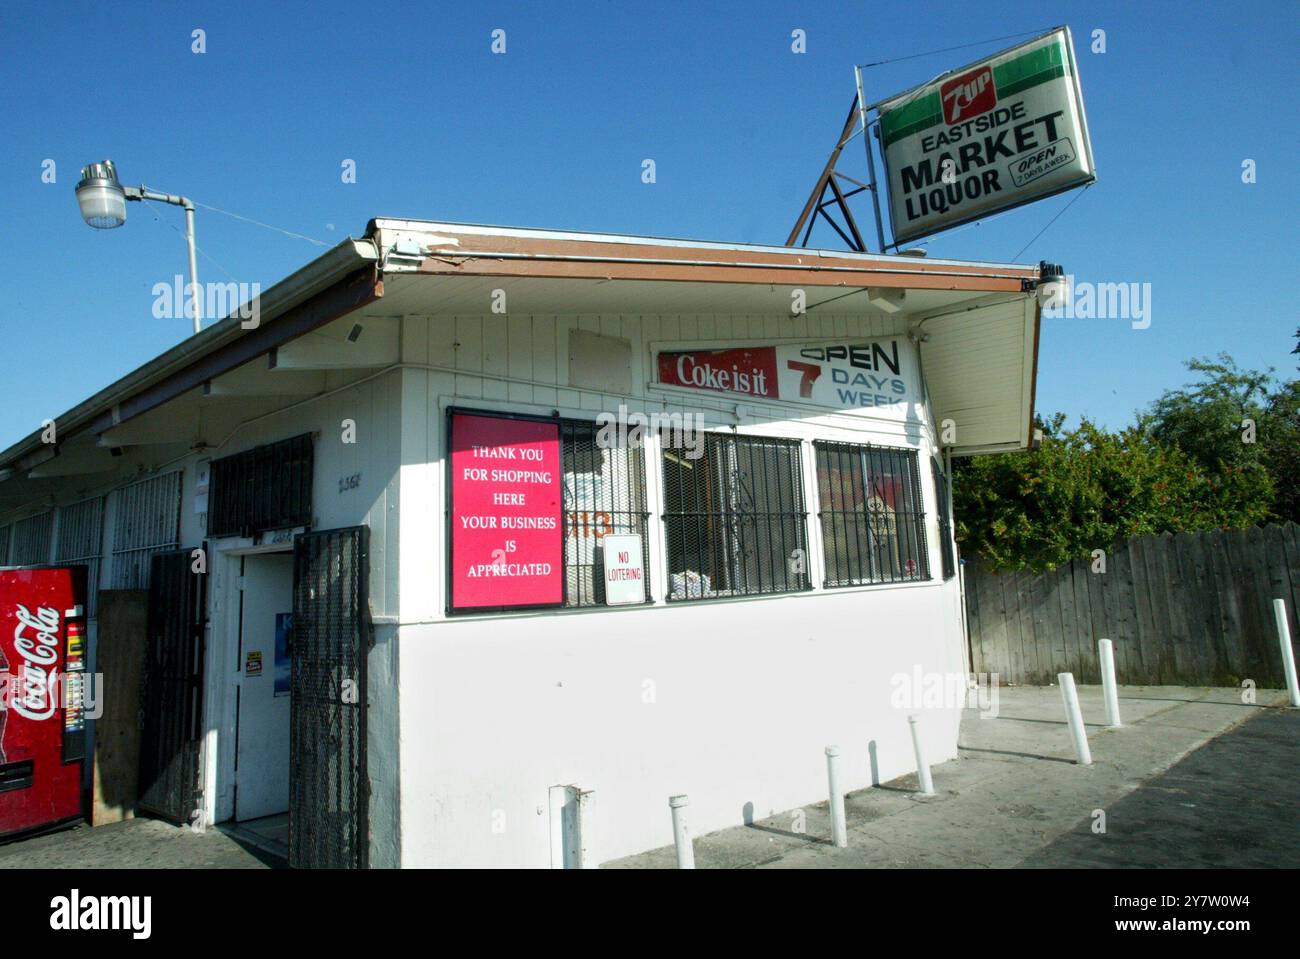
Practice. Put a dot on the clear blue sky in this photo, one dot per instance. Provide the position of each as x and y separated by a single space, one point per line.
553 133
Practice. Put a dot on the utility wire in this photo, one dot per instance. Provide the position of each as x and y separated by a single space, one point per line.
964 46
198 248
296 236
1050 222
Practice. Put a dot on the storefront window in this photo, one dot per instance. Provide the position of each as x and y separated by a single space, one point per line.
734 517
604 494
872 514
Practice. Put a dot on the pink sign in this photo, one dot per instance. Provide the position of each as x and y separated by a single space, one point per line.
506 501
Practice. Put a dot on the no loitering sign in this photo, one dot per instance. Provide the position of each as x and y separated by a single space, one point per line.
994 135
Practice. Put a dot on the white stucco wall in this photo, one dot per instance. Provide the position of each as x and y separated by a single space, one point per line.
746 694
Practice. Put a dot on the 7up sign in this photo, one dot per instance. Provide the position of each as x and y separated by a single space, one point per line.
991 136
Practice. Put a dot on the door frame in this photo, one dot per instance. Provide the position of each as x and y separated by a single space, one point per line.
217 775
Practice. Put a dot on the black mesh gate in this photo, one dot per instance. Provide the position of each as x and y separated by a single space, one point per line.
173 688
328 786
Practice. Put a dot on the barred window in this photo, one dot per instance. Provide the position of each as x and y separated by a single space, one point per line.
604 494
942 493
81 539
872 514
33 537
4 545
267 487
147 521
734 516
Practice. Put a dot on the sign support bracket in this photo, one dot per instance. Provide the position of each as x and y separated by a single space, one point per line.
871 159
827 193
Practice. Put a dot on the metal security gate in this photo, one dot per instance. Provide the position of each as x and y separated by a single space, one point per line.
328 785
173 688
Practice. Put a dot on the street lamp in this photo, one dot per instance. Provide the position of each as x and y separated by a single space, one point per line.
103 205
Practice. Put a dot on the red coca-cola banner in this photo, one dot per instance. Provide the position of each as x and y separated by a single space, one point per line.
751 371
506 501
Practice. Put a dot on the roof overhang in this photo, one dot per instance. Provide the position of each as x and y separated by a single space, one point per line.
976 323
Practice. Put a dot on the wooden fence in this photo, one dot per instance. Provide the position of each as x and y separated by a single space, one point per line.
1195 609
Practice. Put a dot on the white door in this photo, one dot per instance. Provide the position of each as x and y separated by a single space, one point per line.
262 771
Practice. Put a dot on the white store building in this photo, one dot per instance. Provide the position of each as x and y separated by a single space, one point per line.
410 630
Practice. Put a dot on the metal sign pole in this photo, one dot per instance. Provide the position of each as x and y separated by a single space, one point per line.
871 159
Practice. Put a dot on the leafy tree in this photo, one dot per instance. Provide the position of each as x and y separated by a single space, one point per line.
1279 439
1235 419
1205 418
1087 488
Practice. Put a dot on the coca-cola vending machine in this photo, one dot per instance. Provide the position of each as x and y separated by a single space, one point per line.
42 706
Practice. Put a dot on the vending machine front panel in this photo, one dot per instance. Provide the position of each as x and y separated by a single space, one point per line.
42 721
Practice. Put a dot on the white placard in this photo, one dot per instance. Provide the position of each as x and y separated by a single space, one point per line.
624 570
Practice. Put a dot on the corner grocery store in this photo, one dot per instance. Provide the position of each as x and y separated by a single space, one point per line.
794 534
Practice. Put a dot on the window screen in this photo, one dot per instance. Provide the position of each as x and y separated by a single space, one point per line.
267 487
147 521
734 517
872 514
942 494
81 535
604 493
32 538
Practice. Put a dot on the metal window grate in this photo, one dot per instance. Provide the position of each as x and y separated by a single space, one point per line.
734 517
941 489
147 521
32 539
604 494
267 487
872 514
4 545
81 543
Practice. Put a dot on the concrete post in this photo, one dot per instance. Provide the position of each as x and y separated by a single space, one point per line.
922 766
1075 716
1288 655
681 834
839 828
1106 655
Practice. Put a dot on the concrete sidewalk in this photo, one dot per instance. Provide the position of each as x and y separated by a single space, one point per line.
1013 790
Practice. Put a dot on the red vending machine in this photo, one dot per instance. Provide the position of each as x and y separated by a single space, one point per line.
42 709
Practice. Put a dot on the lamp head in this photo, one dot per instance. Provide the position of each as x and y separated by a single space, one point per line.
100 196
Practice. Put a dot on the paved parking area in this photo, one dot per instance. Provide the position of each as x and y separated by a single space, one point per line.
1194 778
1014 796
135 844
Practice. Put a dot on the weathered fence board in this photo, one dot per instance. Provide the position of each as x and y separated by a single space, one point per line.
1192 609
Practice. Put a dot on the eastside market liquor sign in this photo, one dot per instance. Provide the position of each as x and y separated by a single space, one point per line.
506 501
994 135
871 374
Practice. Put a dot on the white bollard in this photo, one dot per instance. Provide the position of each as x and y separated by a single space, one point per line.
1075 715
1106 654
1288 655
922 767
571 828
681 834
839 828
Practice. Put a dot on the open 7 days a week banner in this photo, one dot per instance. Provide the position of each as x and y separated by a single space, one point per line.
874 376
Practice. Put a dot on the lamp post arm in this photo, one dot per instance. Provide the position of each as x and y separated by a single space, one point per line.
144 193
